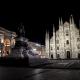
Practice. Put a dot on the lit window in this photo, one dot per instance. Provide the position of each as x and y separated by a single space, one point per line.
7 42
0 51
2 41
1 38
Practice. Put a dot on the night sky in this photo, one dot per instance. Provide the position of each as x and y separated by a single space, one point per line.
36 21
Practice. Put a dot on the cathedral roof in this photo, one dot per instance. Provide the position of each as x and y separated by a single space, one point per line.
7 32
66 23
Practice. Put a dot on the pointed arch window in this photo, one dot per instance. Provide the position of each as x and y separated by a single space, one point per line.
67 42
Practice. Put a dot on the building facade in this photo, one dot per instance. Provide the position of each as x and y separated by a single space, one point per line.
65 42
7 41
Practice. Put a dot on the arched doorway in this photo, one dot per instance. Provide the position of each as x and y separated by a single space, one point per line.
68 55
7 46
58 56
51 56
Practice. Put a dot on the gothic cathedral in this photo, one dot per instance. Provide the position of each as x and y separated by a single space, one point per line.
65 42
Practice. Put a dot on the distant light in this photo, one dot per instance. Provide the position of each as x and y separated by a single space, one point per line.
42 56
8 45
34 49
37 44
0 51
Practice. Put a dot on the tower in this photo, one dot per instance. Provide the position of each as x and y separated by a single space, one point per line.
78 42
79 28
71 20
61 39
54 43
73 37
47 45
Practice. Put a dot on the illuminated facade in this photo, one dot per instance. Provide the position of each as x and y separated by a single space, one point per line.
7 41
65 42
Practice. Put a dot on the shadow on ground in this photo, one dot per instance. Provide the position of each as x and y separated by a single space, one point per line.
41 63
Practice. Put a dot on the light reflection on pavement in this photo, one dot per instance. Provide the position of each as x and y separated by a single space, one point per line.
23 73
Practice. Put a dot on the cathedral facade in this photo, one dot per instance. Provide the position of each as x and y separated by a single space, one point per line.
65 42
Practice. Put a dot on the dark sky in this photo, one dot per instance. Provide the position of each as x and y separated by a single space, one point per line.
36 21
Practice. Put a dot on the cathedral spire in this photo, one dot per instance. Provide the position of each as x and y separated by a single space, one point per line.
47 44
53 28
54 43
47 34
71 19
61 21
79 27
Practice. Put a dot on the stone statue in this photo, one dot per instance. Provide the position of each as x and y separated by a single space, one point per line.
21 45
21 31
